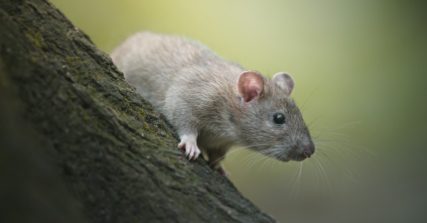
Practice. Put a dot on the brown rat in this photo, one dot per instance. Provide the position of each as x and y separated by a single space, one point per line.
214 104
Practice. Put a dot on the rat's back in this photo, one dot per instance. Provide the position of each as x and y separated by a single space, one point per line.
149 61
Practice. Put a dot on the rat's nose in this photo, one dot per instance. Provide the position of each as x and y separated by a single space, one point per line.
302 151
308 150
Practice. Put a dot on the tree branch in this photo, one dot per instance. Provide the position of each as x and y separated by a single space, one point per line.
88 146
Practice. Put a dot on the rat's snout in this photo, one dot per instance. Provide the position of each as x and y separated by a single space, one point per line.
301 151
308 149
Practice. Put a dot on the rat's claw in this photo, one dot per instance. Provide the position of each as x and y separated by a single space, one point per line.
193 152
187 149
190 146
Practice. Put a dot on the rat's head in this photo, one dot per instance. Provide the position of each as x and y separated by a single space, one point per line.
270 122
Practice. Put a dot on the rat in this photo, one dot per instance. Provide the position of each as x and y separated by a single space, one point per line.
213 103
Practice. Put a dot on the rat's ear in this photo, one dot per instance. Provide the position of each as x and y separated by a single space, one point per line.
284 81
250 85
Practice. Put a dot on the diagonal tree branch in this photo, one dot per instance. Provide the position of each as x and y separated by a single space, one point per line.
102 153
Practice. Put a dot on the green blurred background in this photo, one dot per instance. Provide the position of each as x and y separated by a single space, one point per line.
360 71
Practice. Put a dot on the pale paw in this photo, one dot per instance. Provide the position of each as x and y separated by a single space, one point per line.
189 145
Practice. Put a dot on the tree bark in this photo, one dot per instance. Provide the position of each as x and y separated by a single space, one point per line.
79 145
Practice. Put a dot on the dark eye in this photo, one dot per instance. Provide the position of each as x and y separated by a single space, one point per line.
279 118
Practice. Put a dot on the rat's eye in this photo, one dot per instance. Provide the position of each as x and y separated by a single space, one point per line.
279 118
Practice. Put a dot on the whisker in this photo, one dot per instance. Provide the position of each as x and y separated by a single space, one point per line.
324 174
296 185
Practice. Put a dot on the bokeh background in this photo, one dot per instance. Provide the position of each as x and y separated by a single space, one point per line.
361 80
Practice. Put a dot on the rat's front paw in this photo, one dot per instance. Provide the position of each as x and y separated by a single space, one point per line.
189 144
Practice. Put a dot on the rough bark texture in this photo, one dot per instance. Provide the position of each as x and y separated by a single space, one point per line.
79 145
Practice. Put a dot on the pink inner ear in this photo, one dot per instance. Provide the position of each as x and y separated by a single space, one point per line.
250 85
250 91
